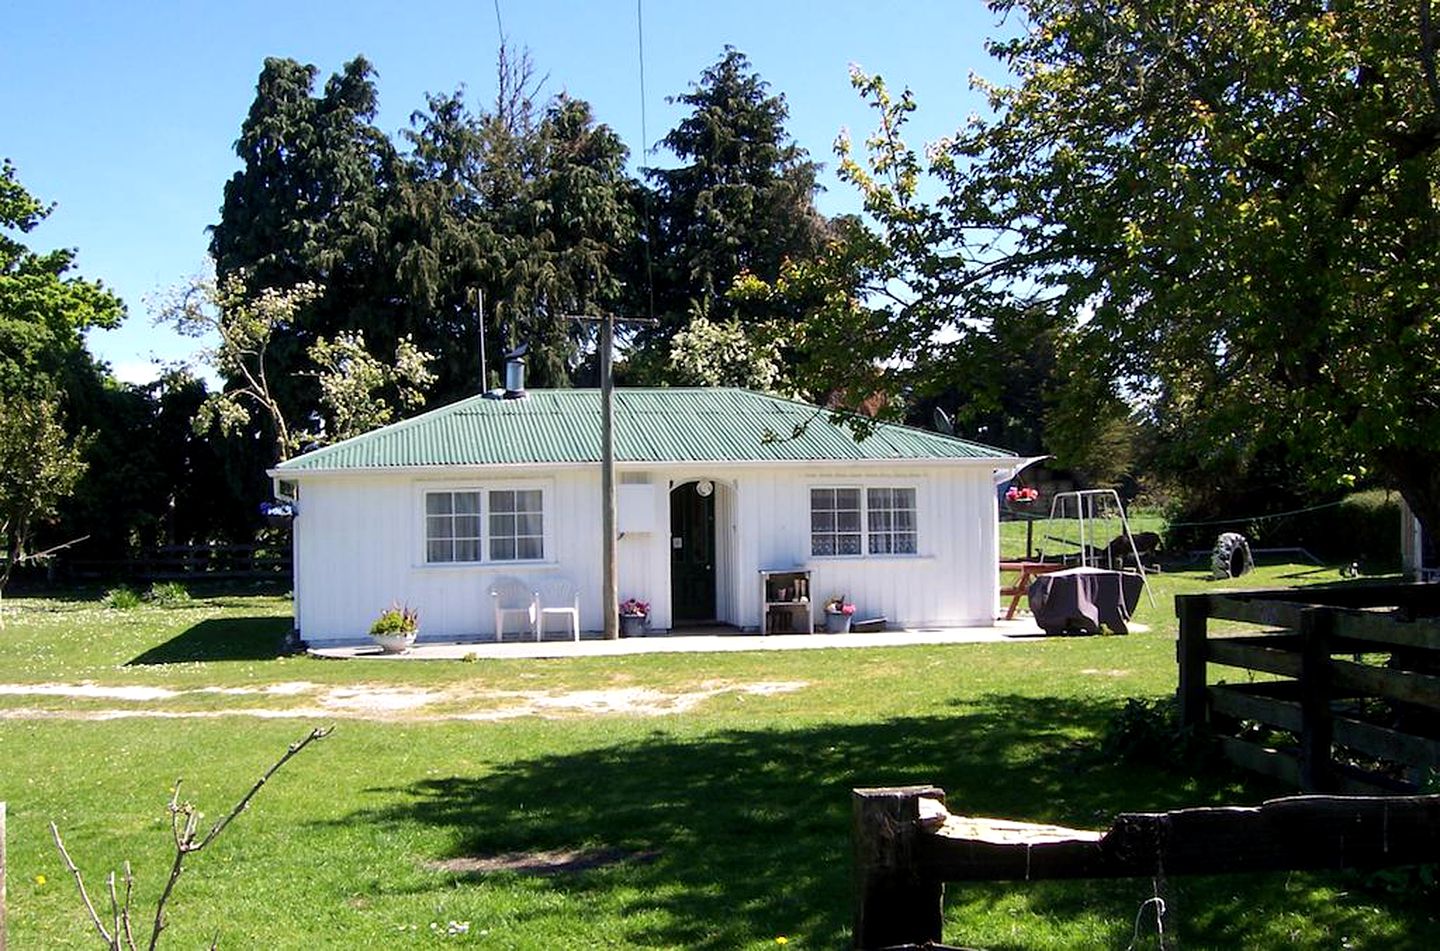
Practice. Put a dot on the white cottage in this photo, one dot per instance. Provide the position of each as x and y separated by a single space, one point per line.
715 486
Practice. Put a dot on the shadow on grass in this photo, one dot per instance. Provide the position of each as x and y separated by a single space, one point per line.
751 827
236 638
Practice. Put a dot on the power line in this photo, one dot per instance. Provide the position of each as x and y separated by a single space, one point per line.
1256 518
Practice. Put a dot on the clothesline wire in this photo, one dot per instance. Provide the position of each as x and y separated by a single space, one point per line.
1035 517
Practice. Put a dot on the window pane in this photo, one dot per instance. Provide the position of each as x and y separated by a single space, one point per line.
467 526
437 526
438 552
467 550
835 521
437 503
530 525
502 549
527 501
502 501
532 548
502 526
467 503
890 518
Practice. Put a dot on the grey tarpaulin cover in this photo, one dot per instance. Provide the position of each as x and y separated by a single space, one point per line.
1083 599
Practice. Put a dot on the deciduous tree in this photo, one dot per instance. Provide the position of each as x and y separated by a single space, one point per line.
40 464
358 392
1232 203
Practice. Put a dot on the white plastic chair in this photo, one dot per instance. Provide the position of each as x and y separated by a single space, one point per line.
511 596
559 596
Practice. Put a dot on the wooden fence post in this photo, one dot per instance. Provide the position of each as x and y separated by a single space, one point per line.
894 905
2 876
1190 655
1317 731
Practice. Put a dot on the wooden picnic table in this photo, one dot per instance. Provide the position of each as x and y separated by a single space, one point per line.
1028 572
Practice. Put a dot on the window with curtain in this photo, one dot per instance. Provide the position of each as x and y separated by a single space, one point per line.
517 525
848 520
890 520
835 522
452 526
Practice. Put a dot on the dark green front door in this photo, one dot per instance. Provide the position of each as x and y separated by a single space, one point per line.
692 554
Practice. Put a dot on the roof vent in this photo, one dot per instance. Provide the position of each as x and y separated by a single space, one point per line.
515 373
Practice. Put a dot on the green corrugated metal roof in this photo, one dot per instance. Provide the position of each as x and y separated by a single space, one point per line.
651 426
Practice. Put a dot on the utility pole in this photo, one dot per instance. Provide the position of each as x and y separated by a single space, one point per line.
609 582
480 317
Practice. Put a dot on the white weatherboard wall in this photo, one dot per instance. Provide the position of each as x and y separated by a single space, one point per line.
951 581
359 546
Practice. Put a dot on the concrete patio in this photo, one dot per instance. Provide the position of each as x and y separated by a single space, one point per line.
689 641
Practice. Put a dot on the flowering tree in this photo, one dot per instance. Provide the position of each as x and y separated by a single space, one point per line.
357 390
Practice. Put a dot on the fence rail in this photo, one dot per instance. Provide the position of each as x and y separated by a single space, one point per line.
1355 683
907 846
176 562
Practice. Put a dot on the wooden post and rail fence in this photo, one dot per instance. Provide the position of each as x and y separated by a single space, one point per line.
191 562
1340 688
907 846
1339 693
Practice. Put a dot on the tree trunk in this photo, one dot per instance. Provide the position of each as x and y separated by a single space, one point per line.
1416 474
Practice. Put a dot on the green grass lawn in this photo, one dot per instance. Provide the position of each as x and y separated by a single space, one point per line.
734 813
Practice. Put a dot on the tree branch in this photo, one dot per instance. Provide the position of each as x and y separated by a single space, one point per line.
80 884
183 831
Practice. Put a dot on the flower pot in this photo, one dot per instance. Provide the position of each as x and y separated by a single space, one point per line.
632 625
394 643
837 622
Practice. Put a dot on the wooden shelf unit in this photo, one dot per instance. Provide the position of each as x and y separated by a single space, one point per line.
787 603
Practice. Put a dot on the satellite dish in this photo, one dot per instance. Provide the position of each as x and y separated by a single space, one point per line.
943 423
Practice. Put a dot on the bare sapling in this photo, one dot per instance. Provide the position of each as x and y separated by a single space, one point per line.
116 929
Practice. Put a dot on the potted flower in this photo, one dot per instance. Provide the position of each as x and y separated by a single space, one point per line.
395 629
838 614
1021 494
1024 496
633 613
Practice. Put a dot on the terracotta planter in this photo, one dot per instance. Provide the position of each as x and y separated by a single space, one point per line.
394 643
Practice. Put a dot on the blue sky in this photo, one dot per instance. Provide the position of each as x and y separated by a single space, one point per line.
125 115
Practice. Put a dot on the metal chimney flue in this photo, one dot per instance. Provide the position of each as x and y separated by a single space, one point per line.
515 373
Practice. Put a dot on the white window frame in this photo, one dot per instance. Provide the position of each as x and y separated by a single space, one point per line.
834 531
890 531
864 487
515 513
454 539
484 487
